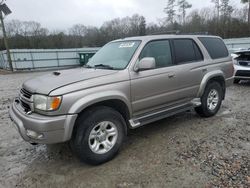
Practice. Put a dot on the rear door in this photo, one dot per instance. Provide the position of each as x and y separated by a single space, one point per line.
189 68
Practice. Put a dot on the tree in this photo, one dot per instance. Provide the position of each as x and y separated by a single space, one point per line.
29 34
183 6
137 25
247 1
226 9
14 27
170 11
120 28
217 7
78 30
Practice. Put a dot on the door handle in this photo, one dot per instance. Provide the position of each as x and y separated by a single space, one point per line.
171 75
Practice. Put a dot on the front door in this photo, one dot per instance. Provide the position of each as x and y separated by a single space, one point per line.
151 89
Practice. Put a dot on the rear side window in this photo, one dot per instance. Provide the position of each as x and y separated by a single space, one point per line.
215 47
160 50
186 50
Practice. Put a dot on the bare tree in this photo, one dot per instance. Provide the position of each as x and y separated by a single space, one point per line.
183 6
137 25
78 30
14 27
31 28
23 34
217 7
226 9
170 11
247 1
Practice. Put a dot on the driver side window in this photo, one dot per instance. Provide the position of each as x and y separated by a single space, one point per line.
160 50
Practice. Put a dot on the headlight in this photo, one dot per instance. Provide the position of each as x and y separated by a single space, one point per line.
235 62
45 103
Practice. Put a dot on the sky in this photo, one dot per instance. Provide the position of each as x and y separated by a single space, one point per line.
62 14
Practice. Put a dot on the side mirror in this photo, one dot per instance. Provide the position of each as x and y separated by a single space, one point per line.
146 63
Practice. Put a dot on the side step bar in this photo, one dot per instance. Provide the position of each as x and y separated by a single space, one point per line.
161 114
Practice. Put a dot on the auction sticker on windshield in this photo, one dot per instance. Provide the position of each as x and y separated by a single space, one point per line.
127 45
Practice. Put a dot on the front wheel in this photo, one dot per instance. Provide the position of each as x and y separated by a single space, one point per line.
211 100
98 135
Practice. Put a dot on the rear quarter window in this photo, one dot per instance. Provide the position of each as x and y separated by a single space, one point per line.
215 47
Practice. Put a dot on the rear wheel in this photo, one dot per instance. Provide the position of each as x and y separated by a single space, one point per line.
211 100
98 135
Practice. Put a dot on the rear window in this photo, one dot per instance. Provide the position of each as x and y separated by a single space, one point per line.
215 47
186 50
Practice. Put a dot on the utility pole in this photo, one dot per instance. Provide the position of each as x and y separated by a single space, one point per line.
248 19
5 10
6 42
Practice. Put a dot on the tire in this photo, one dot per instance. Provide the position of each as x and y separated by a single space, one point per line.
88 133
206 110
236 81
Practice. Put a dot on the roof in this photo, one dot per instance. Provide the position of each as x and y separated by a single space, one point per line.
155 37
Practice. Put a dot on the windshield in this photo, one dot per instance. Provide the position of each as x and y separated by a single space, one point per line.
114 55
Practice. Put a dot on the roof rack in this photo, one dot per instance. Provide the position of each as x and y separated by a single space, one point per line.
178 32
195 33
175 32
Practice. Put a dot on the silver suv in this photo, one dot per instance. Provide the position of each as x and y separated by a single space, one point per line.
241 65
128 83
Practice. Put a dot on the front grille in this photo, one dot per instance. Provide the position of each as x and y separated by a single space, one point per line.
25 106
243 73
25 99
25 93
244 63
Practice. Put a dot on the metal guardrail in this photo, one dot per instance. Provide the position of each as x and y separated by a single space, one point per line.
237 44
31 59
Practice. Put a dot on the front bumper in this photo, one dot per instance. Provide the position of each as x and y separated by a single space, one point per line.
242 72
54 129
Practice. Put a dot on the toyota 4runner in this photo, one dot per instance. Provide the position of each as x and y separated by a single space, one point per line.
128 83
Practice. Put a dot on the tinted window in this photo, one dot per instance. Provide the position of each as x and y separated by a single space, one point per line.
199 56
186 50
160 50
215 47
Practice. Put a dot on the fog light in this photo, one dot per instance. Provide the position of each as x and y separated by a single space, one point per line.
34 135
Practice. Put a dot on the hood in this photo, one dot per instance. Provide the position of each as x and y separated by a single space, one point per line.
244 52
48 82
242 55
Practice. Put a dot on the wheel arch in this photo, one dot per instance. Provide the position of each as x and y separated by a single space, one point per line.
117 103
216 76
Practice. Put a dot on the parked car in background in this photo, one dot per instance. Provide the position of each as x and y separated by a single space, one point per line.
241 61
128 83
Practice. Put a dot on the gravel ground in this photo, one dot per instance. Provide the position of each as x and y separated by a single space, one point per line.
181 151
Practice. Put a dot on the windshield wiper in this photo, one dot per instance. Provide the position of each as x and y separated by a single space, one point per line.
104 66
